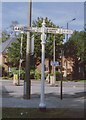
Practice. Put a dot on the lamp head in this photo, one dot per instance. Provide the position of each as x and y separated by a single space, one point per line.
73 19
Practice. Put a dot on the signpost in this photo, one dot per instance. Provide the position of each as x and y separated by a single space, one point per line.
43 30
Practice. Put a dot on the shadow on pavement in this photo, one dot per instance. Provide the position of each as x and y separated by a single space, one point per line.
6 93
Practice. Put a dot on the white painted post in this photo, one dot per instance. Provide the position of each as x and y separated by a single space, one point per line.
20 62
42 104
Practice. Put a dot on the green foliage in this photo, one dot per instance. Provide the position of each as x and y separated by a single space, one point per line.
32 74
0 40
37 75
5 36
75 46
58 76
76 49
14 70
14 51
22 74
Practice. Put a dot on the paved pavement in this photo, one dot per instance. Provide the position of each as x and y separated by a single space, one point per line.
12 96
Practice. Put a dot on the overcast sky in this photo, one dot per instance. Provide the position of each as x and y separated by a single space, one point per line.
58 12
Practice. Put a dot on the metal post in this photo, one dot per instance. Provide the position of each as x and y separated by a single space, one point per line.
68 27
27 82
42 102
54 68
67 34
67 39
61 74
20 62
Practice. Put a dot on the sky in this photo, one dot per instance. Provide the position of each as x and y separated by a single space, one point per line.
58 12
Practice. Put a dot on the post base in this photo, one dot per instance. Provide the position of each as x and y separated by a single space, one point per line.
26 97
42 107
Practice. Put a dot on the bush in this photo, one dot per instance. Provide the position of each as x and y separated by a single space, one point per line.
32 74
22 74
37 75
58 75
14 70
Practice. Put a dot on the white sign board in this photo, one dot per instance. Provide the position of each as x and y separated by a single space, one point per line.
48 30
35 29
56 63
59 31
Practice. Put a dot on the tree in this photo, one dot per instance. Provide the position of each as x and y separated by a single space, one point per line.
14 51
4 36
75 48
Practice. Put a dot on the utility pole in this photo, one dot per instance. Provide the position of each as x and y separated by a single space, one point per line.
27 81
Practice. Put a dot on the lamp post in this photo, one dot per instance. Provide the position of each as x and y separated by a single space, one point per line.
67 38
61 91
68 27
27 82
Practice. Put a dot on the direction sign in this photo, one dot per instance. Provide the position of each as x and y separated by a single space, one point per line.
56 63
36 29
47 30
59 31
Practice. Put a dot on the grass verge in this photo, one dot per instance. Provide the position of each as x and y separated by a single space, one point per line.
36 113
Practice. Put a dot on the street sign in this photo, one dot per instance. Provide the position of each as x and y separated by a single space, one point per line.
35 29
48 30
56 63
59 31
18 28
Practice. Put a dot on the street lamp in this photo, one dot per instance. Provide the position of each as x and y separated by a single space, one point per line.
68 27
67 38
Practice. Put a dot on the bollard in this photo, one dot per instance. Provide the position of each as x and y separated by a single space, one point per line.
15 79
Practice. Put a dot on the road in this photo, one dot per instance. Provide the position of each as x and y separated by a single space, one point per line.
73 95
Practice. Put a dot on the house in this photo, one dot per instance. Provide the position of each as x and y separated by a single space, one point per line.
67 64
67 67
3 55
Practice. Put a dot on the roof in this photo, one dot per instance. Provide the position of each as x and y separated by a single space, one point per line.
6 44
